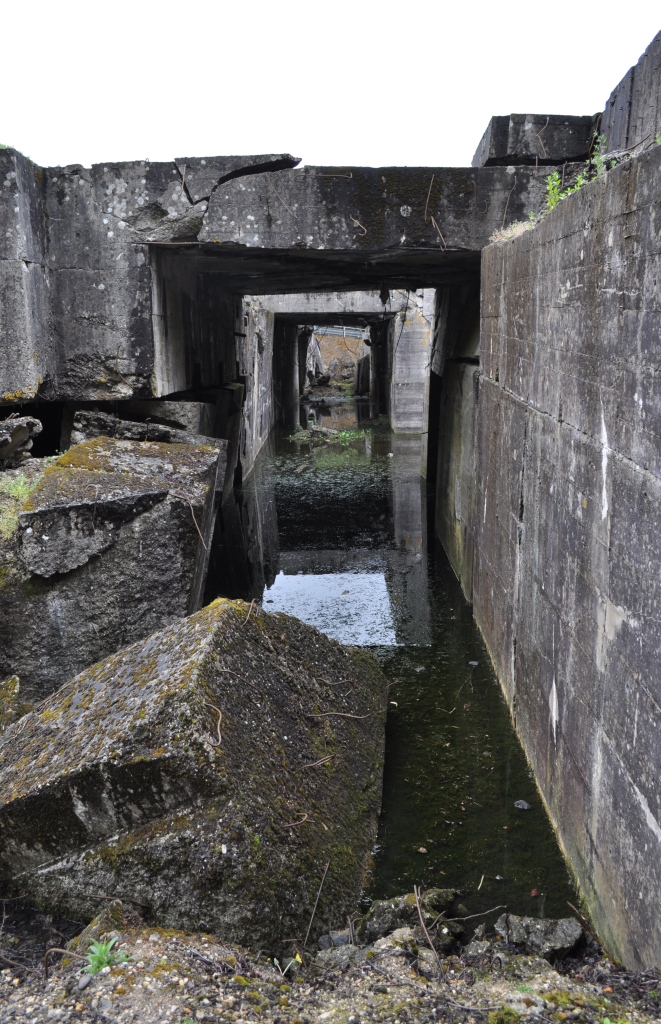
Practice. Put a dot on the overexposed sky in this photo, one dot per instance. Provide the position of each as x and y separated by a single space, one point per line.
333 81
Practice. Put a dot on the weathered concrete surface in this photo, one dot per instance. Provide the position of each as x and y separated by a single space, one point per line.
455 477
566 587
541 936
193 417
535 139
16 435
75 276
367 209
88 424
104 552
410 338
184 770
316 307
633 112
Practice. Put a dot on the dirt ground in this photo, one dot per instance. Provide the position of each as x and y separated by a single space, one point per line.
178 978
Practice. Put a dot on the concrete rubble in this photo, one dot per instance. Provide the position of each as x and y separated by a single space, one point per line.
157 317
104 550
16 433
212 770
164 974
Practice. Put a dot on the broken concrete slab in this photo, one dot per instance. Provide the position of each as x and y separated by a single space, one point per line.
211 770
195 417
16 439
103 551
384 916
544 937
88 423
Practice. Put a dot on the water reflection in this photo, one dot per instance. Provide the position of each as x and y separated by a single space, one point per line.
353 608
334 530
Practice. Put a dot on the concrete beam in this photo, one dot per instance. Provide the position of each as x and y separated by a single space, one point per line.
536 139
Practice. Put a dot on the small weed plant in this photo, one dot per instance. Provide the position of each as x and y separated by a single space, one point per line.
16 487
101 954
348 436
283 970
14 491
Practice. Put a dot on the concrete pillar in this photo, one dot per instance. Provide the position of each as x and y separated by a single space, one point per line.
411 348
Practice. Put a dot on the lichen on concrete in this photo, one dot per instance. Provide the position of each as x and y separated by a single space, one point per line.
185 769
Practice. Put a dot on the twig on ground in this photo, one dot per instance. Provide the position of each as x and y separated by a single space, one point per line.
183 497
65 952
339 714
293 824
252 605
13 963
416 893
315 764
231 672
470 917
316 903
220 718
584 923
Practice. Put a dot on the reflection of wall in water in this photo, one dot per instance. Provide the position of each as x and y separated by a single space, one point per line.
407 578
245 556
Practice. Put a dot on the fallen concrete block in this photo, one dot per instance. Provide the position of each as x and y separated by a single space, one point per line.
88 423
107 549
544 937
16 439
211 773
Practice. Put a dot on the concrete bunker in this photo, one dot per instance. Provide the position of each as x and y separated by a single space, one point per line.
167 285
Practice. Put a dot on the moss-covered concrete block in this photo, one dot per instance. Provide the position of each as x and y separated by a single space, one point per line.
104 552
209 772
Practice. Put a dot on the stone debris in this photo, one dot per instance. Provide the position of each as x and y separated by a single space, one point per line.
176 976
102 551
541 936
213 771
384 916
92 423
16 434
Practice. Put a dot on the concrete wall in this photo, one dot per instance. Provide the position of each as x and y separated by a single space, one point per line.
410 361
254 353
565 574
633 112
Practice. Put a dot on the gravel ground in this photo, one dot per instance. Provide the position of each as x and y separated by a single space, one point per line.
178 977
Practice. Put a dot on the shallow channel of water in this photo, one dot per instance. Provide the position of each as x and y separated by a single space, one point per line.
341 536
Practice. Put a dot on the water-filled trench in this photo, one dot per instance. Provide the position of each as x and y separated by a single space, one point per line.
337 528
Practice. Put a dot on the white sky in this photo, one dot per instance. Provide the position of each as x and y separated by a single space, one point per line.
332 81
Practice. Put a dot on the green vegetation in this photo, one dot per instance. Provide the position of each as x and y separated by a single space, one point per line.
554 190
292 962
101 954
504 1016
14 491
348 436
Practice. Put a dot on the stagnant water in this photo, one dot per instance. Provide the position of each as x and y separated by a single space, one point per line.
339 531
